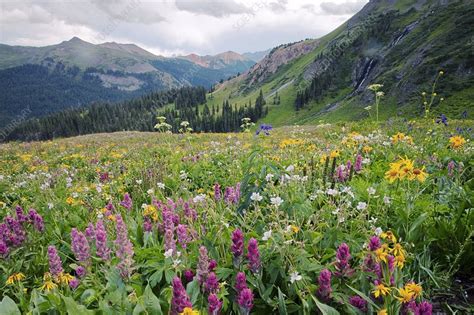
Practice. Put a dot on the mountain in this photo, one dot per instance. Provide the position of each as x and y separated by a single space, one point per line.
257 55
400 44
42 80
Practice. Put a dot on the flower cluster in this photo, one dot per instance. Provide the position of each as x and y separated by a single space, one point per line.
404 169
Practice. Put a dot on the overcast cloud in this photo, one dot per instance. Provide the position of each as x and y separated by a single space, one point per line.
170 27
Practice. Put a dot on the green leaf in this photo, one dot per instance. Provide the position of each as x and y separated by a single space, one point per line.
9 307
324 308
281 303
152 303
73 308
365 297
193 290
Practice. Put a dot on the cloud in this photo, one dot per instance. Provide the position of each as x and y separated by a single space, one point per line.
219 8
348 7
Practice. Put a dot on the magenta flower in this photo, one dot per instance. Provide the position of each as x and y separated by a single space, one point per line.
90 232
37 220
203 265
4 250
55 264
217 192
324 281
214 303
343 256
80 246
359 303
123 248
253 256
182 232
188 275
240 282
180 299
212 265
245 301
103 251
237 247
374 243
147 225
127 202
170 242
81 272
20 216
212 284
74 283
358 163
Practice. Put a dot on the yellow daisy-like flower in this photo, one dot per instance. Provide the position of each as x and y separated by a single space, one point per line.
70 200
382 312
65 278
15 277
389 236
392 175
381 255
48 285
335 154
456 142
398 250
189 311
367 149
405 295
381 290
400 261
295 229
414 288
419 175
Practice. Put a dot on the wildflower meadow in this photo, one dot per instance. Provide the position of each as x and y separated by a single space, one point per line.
347 218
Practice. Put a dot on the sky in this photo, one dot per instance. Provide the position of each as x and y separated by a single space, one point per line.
173 27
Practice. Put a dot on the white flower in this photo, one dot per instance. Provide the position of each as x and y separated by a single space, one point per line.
256 197
169 253
371 190
378 231
335 212
276 201
75 195
366 161
160 185
150 191
100 216
342 219
290 168
361 206
267 235
332 192
295 276
139 181
199 198
373 220
269 177
387 200
98 188
50 206
183 175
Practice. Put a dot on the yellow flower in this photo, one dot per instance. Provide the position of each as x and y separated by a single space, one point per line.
414 288
381 255
381 290
419 175
323 159
18 276
398 250
295 229
456 142
400 261
382 312
70 200
405 295
335 154
367 149
389 236
189 311
65 278
392 175
48 286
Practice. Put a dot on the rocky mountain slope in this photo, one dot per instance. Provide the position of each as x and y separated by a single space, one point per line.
400 44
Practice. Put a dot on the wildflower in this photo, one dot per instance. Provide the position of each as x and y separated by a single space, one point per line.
276 201
381 290
267 235
212 284
245 301
212 265
18 276
127 202
180 299
358 163
389 236
414 288
374 243
387 200
382 312
324 281
442 119
123 248
237 247
371 191
425 308
265 129
188 275
37 220
405 295
334 154
203 265
381 255
256 197
269 177
90 232
342 261
217 192
240 282
80 246
456 142
182 233
81 271
214 304
295 276
253 256
398 249
418 174
65 278
160 185
55 264
48 284
361 206
74 283
102 249
358 303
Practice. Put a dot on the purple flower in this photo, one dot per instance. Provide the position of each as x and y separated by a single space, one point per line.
451 166
324 281
37 220
123 248
358 163
265 128
359 303
188 275
182 232
245 300
374 243
147 225
342 261
74 283
15 234
214 303
170 242
90 232
55 264
19 215
391 263
81 272
103 251
203 265
217 192
253 256
212 265
212 284
180 299
340 175
425 308
126 202
80 246
240 282
237 247
3 248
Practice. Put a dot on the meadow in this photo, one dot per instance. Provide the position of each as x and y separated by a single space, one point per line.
346 218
